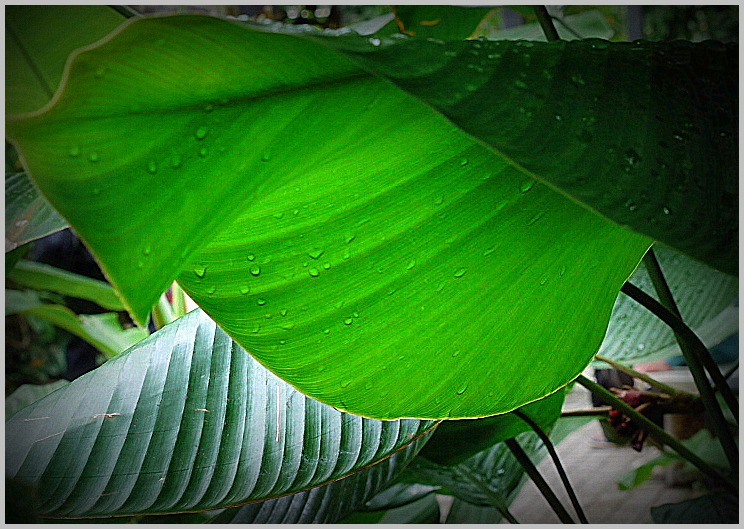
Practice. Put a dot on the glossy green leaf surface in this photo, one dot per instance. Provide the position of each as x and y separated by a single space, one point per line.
439 21
41 276
343 249
163 429
644 133
704 297
28 215
38 40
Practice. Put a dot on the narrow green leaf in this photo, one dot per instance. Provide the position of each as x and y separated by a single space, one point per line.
704 297
103 331
645 132
422 511
344 249
38 40
28 215
28 394
45 277
184 421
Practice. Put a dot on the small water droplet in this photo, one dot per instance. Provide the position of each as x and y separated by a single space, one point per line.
350 237
316 253
200 271
152 167
526 185
488 252
460 272
261 301
456 353
543 281
346 255
463 162
667 211
348 321
535 218
203 152
520 84
313 272
278 215
326 331
255 270
250 257
266 156
93 157
462 389
211 290
74 151
562 271
283 312
438 200
632 206
345 383
146 250
201 133
641 346
245 290
411 264
368 386
326 266
176 161
375 41
558 117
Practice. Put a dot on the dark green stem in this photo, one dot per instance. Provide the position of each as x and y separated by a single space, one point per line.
546 23
720 426
556 461
595 412
538 480
654 430
669 390
125 11
698 355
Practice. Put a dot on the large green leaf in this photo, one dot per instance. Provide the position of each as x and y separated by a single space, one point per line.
38 39
340 230
645 133
29 393
326 504
186 420
704 297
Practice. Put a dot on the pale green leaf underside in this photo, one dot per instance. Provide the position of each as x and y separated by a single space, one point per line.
186 420
28 216
349 237
704 297
29 393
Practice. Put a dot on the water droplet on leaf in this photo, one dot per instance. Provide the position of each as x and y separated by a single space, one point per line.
460 272
201 133
255 270
313 272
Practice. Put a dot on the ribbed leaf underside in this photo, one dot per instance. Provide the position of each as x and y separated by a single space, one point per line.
163 429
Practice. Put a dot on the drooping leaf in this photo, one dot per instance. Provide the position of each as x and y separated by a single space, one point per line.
327 504
455 441
28 394
38 40
103 331
41 276
704 297
464 512
709 509
422 511
28 215
186 420
400 494
344 249
644 133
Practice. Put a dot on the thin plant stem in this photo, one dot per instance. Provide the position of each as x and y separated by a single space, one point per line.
601 411
125 11
495 500
731 371
641 376
720 426
179 300
542 485
162 313
546 23
556 461
657 432
693 355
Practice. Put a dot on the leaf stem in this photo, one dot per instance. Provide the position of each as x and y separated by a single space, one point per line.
179 300
162 313
602 411
556 461
640 376
701 380
546 23
658 433
538 480
700 356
